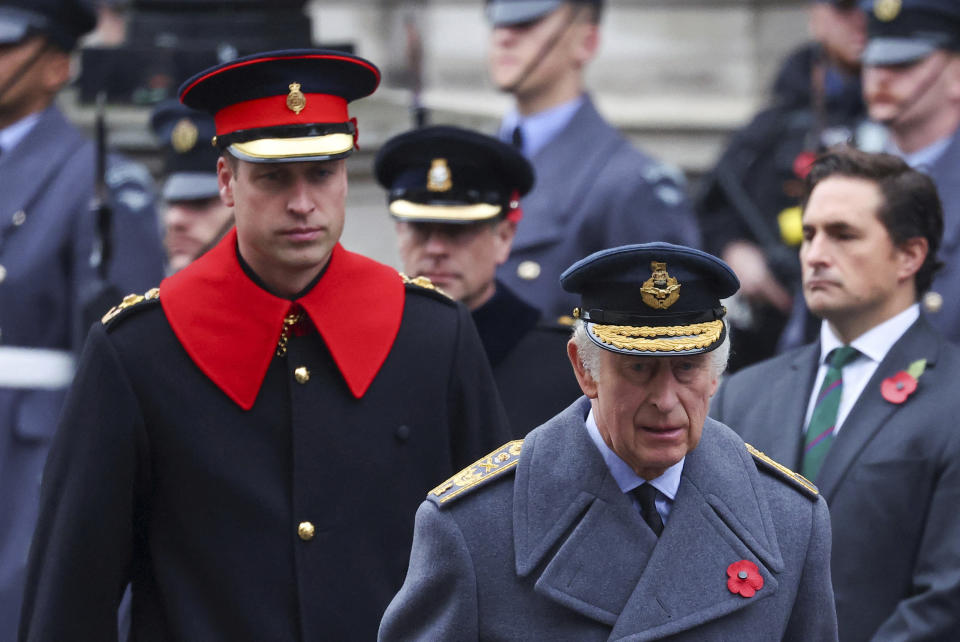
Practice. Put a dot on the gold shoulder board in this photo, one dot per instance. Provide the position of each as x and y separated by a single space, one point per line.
479 472
423 282
128 302
796 479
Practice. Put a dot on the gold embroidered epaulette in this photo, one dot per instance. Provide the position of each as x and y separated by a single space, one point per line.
479 472
130 301
425 283
796 479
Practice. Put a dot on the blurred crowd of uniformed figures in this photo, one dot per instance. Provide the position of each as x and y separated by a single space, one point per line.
81 226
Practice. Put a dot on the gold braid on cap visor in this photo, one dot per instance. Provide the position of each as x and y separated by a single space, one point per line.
659 339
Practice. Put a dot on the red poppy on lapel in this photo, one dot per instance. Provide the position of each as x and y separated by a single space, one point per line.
744 578
897 388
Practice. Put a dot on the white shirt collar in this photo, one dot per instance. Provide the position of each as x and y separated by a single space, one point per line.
923 158
11 135
626 479
876 342
540 128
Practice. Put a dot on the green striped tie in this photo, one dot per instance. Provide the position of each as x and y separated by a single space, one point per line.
823 421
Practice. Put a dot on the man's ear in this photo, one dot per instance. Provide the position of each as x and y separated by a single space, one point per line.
504 232
224 176
587 383
911 253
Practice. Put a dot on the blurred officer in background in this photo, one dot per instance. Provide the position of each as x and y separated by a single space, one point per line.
194 217
748 204
594 189
455 196
911 80
48 175
247 444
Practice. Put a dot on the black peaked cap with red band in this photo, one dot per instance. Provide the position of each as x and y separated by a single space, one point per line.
284 106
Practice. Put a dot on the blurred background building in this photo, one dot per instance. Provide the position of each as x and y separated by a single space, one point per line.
678 76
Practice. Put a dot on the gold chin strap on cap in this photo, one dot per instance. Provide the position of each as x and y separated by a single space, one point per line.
304 147
659 338
421 212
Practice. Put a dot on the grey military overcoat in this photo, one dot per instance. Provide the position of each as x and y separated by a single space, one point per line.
545 546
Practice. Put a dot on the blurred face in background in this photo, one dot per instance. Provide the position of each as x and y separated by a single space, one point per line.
191 227
841 31
915 95
459 258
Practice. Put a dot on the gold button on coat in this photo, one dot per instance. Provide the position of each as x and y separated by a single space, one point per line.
306 530
528 270
932 302
301 374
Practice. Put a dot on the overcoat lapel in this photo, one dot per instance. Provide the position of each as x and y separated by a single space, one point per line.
34 162
717 519
586 136
588 549
871 411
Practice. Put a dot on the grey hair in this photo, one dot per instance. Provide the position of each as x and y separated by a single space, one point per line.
589 352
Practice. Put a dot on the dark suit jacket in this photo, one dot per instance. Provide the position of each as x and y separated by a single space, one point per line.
891 479
594 190
551 549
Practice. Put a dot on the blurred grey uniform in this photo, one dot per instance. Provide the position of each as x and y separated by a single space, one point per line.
538 542
46 242
594 190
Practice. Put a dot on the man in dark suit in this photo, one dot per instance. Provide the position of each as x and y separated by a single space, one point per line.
911 82
868 411
47 242
594 189
247 444
630 515
455 196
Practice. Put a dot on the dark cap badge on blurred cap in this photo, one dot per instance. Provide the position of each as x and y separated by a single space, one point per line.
62 22
444 174
284 106
901 32
652 298
189 160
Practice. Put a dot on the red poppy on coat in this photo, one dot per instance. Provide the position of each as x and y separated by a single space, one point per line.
897 388
744 578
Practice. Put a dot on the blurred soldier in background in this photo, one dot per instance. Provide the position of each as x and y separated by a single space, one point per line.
194 217
454 194
911 83
594 189
748 205
48 234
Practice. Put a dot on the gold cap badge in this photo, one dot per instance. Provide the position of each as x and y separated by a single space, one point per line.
661 290
887 10
184 136
296 101
438 177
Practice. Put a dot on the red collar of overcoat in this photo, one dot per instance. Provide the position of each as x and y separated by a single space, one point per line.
230 326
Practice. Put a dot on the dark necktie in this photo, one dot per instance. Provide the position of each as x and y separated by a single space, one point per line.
517 138
823 421
646 494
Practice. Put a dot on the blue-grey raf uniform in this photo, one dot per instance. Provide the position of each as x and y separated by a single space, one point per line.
538 540
594 190
46 280
902 32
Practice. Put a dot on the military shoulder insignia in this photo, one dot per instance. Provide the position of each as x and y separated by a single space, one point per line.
661 290
797 480
501 460
130 301
422 283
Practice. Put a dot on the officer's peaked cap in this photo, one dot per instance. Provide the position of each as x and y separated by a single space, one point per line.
904 31
62 22
501 13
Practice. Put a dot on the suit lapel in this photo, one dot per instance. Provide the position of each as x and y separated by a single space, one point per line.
717 516
871 411
789 395
31 164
